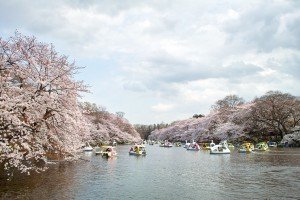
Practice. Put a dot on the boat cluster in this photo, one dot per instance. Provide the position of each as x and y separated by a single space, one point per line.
222 148
110 151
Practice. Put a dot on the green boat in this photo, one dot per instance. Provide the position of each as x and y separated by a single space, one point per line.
230 146
261 146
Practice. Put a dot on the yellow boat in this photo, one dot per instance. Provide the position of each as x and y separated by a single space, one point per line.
208 146
108 151
246 147
137 150
205 146
177 144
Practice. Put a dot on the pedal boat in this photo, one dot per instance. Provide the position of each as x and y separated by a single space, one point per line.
221 148
261 146
108 151
246 147
137 150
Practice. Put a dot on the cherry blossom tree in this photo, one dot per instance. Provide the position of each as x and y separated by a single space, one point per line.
106 127
276 111
232 118
216 126
39 113
229 102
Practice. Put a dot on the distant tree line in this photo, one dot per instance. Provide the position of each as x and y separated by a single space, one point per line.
198 115
145 130
271 116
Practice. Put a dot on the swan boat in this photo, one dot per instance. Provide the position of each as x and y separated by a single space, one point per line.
208 146
261 146
137 150
186 145
177 144
205 146
166 144
88 147
272 144
108 151
97 150
193 147
221 148
230 146
246 147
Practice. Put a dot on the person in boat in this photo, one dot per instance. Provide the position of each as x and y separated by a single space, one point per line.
220 148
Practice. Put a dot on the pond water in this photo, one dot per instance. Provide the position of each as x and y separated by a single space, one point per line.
166 173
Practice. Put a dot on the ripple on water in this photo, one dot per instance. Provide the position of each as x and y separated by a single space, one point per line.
167 173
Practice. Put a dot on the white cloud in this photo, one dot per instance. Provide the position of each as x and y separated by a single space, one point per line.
187 53
162 107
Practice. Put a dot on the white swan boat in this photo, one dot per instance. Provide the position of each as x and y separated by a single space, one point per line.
166 144
221 148
88 147
186 145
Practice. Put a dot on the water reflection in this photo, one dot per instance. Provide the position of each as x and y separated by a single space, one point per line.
165 173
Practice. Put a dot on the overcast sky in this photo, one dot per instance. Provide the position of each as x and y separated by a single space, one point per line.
160 61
